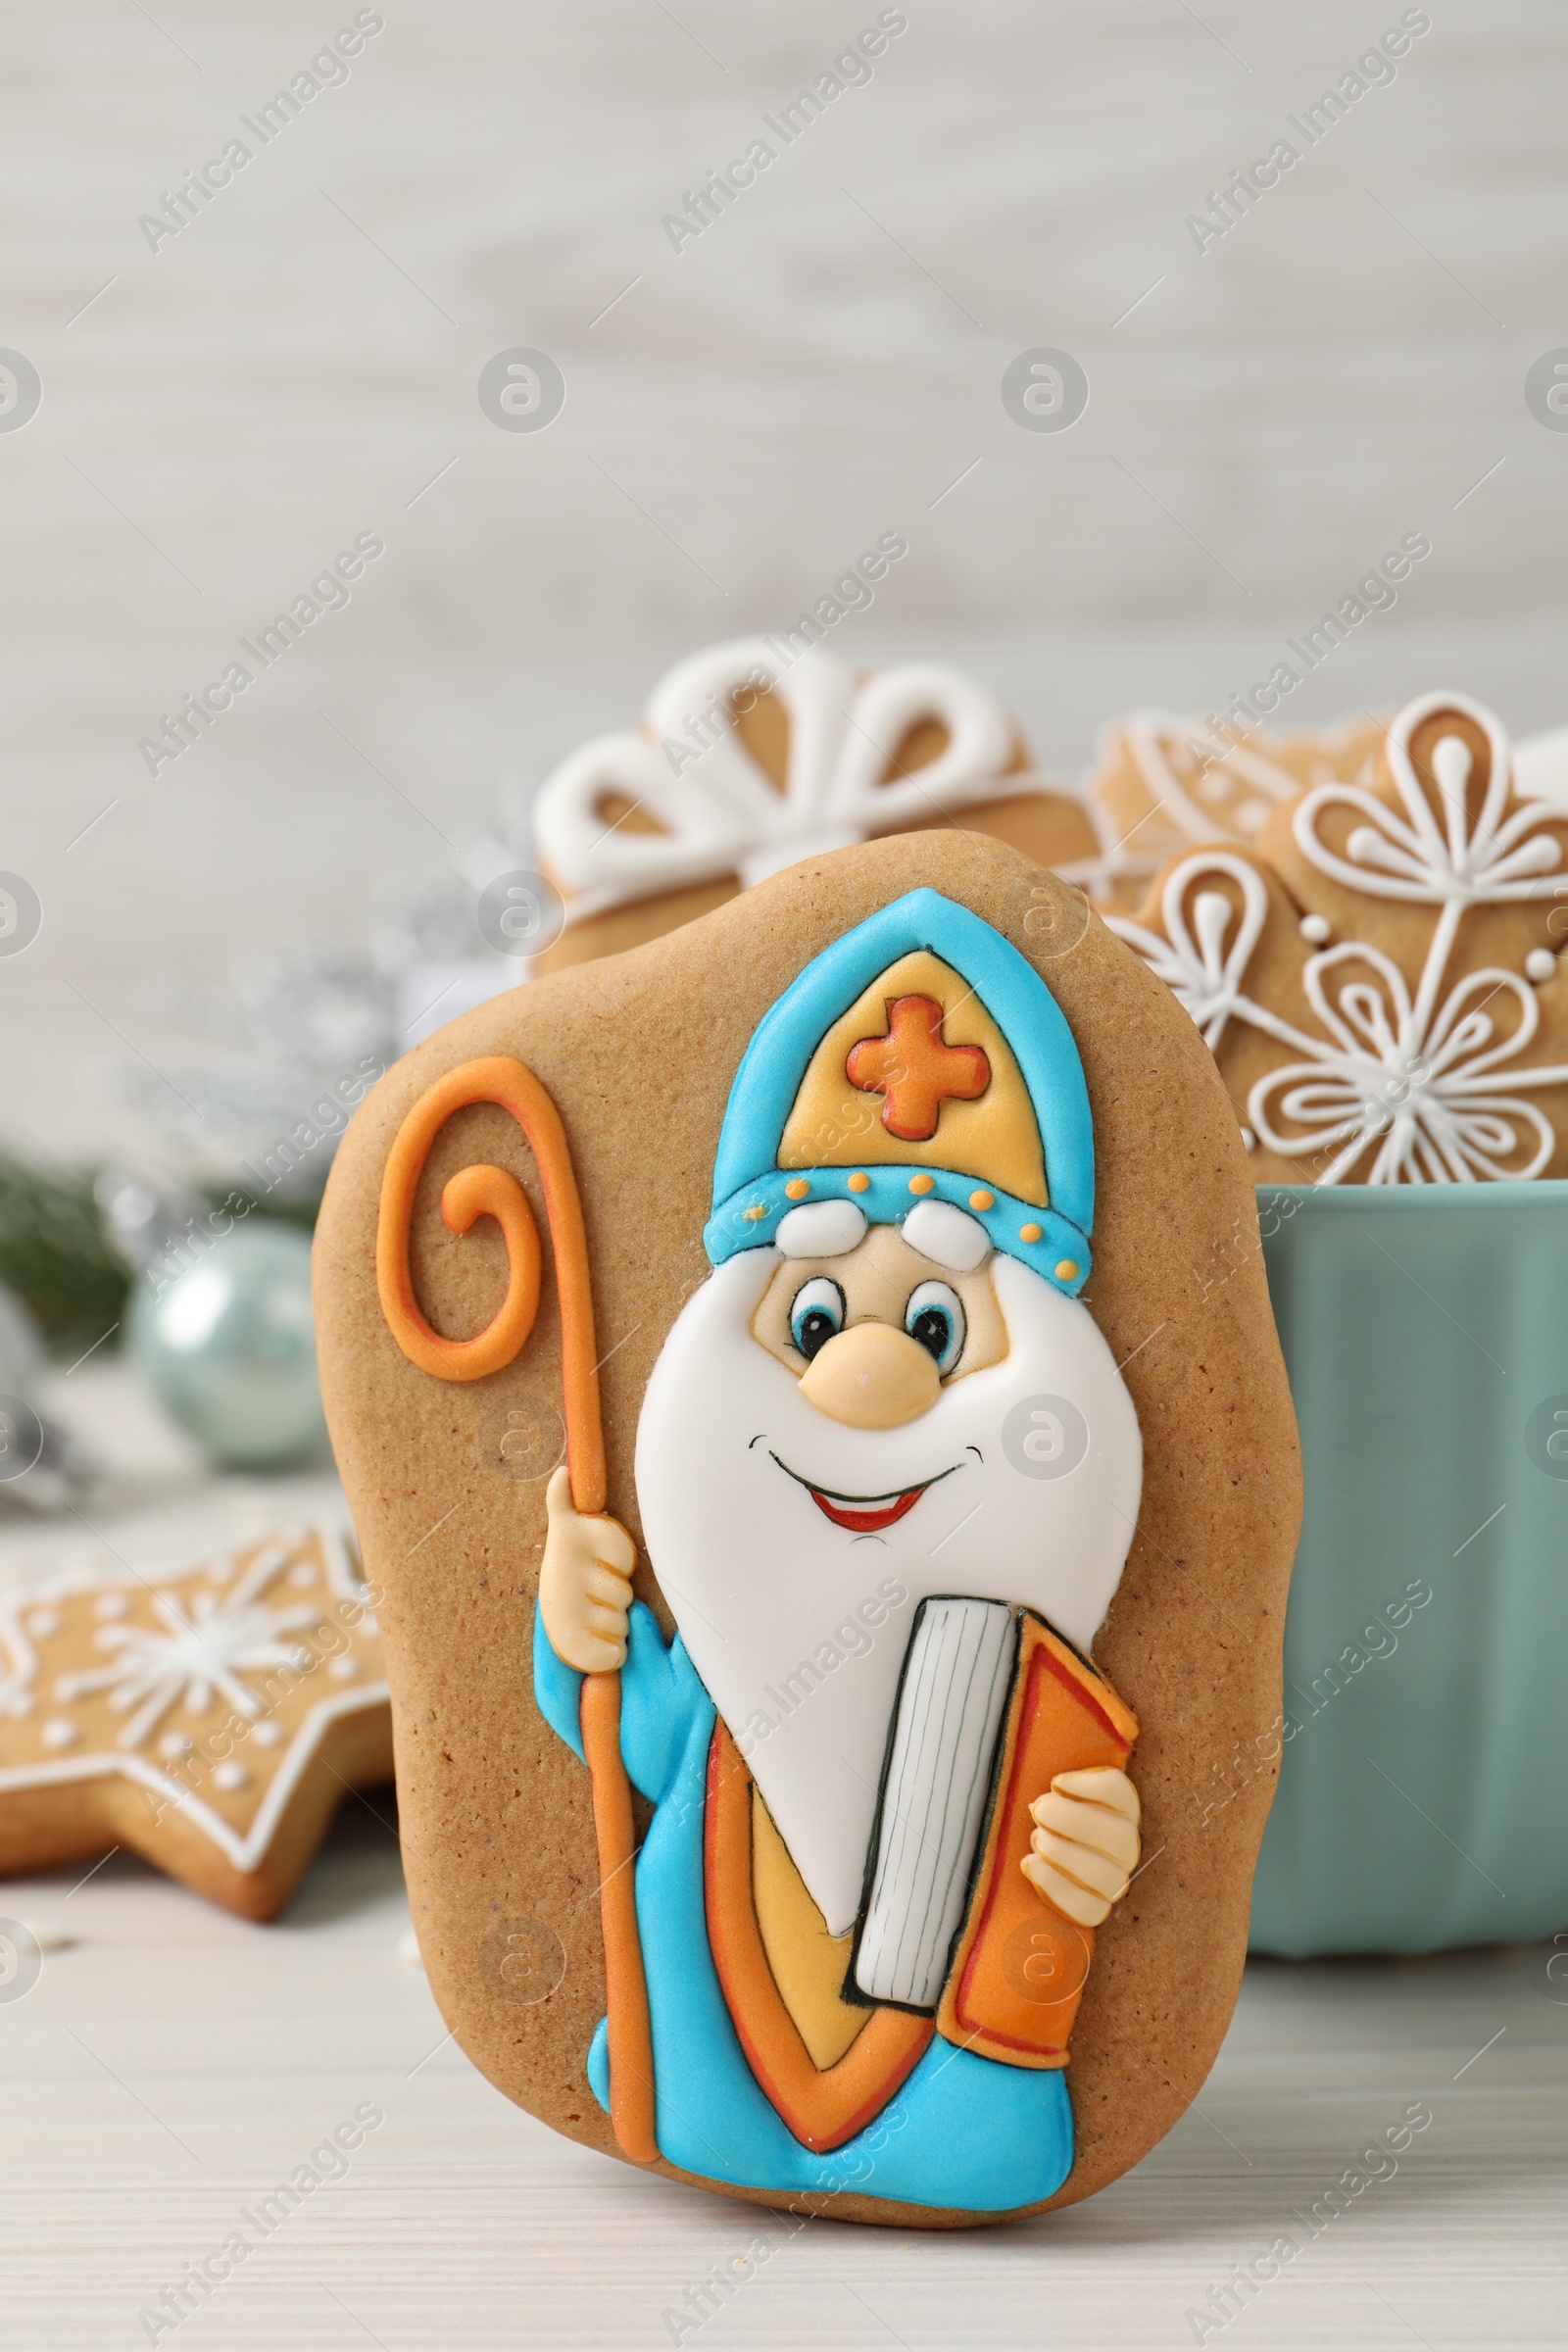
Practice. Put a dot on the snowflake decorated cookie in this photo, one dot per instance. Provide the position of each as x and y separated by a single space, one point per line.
1379 977
755 755
210 1722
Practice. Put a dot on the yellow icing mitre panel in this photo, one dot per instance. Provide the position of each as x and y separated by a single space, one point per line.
994 1138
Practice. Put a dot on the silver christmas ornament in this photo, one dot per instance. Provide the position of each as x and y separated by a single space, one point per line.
229 1348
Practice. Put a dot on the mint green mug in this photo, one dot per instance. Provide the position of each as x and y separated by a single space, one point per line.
1419 1806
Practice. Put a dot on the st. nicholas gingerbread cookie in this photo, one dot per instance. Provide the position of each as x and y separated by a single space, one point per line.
803 1780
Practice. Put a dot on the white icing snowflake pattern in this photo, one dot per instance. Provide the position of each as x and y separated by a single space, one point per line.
1232 775
196 1655
1201 780
1493 861
1420 1078
1421 1082
1202 972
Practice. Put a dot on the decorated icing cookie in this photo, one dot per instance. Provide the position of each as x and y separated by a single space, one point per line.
818 1604
1379 979
1161 784
211 1722
759 753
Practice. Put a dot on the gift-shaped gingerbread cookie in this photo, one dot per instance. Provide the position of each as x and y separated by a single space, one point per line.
759 753
1380 980
815 1602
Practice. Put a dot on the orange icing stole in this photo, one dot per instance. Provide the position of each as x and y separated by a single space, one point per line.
486 1190
825 2107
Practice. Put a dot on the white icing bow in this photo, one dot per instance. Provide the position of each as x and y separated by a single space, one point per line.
688 770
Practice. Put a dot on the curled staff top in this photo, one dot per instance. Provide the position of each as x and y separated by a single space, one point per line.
949 1071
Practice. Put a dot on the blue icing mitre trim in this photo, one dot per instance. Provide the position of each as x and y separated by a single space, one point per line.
750 1219
776 1063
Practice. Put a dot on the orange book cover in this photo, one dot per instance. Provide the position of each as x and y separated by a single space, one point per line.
1019 1966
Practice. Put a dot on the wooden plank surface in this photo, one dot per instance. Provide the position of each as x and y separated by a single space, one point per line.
173 2065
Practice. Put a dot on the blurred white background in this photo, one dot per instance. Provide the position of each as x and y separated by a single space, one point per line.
299 365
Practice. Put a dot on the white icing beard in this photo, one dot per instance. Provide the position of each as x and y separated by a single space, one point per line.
761 1581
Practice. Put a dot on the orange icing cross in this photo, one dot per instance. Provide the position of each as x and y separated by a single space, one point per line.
914 1070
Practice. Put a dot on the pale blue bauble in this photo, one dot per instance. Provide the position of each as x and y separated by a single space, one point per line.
230 1351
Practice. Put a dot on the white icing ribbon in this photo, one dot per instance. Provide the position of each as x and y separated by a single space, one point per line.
687 769
1414 858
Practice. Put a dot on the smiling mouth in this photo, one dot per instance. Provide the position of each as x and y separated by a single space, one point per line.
863 1514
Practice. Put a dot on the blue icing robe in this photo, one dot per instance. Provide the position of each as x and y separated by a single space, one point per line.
962 2130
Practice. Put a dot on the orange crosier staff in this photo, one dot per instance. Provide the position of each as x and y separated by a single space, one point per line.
485 1191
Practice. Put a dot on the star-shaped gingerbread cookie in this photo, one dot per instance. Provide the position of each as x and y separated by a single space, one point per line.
210 1720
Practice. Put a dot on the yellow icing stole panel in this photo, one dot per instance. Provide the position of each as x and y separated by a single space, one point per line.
995 1139
808 1964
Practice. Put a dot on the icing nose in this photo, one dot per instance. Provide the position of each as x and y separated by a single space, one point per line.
872 1377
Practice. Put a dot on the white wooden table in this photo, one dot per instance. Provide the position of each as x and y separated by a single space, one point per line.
174 2064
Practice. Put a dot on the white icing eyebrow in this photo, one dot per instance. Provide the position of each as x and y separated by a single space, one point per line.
950 1237
822 1229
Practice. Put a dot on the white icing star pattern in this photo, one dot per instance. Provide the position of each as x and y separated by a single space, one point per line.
197 1655
214 1694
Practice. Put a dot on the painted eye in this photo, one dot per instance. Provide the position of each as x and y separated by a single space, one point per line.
935 1318
816 1314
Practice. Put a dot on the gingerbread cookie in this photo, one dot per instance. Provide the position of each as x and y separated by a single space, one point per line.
759 753
1161 784
211 1722
803 1781
1379 980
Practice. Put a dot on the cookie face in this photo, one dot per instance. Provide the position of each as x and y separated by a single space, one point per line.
834 1487
757 753
210 1723
1379 980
